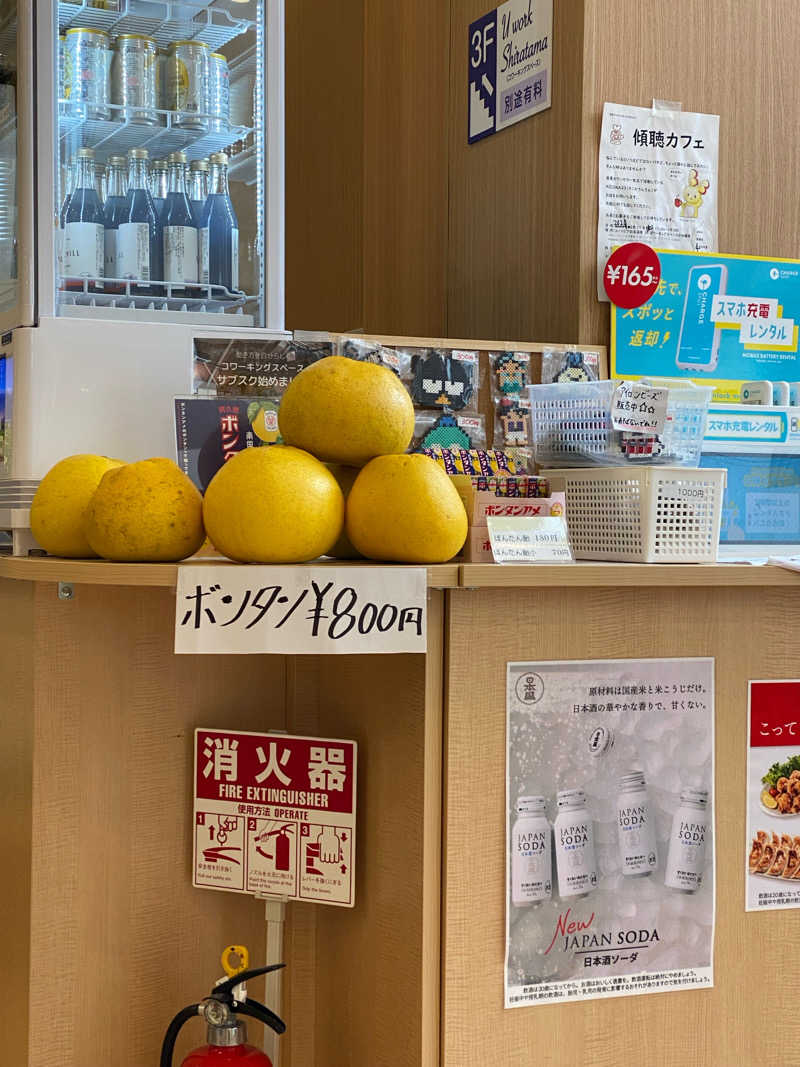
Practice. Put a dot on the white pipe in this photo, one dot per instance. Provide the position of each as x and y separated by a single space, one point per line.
275 915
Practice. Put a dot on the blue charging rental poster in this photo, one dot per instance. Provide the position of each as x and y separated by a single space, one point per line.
719 320
509 66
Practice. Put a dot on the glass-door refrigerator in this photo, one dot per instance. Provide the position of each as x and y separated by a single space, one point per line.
141 219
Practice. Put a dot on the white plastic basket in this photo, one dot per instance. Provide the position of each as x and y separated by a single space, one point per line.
571 426
644 514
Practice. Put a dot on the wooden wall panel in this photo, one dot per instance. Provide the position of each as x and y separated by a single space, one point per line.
324 164
396 225
372 994
16 764
405 166
514 200
119 938
695 53
750 1016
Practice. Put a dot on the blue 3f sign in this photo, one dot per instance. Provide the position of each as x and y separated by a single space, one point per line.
510 65
482 76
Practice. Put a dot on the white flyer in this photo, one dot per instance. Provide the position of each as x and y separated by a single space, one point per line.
610 829
657 181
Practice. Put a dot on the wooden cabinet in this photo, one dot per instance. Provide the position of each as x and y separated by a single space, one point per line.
105 937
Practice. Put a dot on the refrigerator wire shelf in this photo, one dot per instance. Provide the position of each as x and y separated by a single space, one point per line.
165 22
109 137
203 298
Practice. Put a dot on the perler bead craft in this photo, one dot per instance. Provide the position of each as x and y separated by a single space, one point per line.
514 421
574 369
442 382
511 372
447 433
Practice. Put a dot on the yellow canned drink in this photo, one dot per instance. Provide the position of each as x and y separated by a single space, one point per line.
187 84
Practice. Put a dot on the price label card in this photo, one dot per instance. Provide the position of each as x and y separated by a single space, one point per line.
542 539
631 275
289 610
639 408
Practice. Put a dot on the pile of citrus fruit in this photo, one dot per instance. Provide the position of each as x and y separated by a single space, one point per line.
342 485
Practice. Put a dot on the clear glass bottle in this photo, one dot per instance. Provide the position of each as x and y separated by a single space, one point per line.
686 858
70 176
140 253
84 242
100 182
115 208
219 231
180 230
635 829
531 853
198 188
573 832
159 183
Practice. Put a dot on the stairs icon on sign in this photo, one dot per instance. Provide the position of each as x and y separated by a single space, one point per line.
480 118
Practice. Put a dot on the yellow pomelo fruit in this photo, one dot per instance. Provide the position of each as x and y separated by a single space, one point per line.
57 511
146 511
345 476
273 505
345 411
405 508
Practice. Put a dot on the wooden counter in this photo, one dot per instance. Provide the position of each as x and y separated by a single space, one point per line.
96 731
748 619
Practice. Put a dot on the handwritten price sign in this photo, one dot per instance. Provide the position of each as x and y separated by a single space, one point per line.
632 274
289 610
639 408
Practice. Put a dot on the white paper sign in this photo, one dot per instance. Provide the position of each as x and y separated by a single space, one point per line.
288 610
542 539
658 179
639 408
275 815
610 829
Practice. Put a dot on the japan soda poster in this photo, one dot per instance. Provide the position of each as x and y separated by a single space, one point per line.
773 796
610 875
719 320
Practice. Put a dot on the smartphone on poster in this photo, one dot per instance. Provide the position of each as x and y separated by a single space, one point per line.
699 337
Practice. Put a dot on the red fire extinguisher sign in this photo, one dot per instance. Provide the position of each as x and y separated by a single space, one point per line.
275 814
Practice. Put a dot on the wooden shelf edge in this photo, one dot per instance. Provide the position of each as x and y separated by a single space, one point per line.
99 572
440 576
505 576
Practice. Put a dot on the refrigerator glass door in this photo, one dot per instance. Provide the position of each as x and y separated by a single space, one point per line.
16 246
162 104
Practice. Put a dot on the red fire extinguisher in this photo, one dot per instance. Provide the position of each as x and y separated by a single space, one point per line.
283 854
226 1034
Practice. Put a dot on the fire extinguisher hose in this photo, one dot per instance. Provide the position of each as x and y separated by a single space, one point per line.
168 1047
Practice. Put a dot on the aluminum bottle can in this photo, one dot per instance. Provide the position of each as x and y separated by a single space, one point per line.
161 85
219 93
62 60
134 68
187 84
86 73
